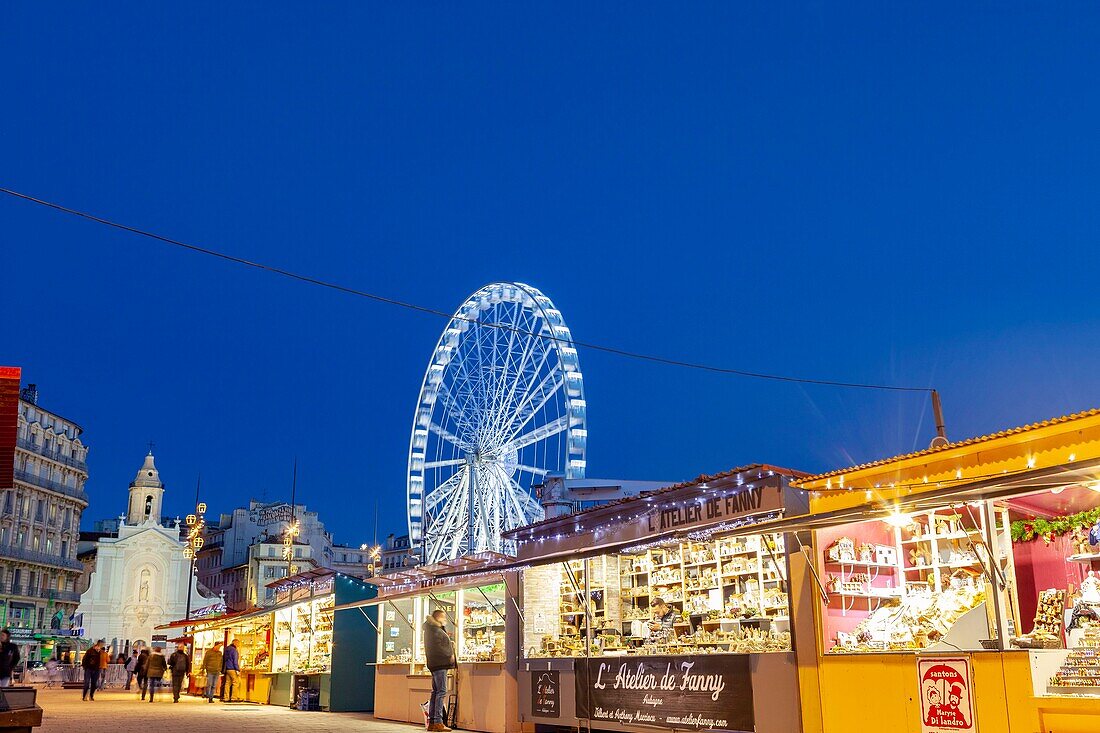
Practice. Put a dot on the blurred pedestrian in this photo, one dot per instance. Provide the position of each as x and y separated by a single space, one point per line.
212 665
155 670
140 670
104 662
231 660
90 665
9 658
131 668
53 672
180 666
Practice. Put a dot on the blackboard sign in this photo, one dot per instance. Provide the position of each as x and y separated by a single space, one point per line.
705 692
546 694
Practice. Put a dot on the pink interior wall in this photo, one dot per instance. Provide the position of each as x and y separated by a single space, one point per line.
875 533
1040 566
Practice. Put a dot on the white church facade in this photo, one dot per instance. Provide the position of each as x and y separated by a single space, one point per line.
140 576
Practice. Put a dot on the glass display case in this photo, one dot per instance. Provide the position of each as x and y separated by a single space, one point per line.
302 637
253 638
915 581
481 624
716 596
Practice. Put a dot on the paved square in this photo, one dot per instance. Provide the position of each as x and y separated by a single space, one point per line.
118 712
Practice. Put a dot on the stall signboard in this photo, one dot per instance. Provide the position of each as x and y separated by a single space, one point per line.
680 512
946 694
546 694
686 693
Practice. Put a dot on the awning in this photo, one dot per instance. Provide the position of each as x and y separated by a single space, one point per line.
471 571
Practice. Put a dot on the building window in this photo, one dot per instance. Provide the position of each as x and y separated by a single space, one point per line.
49 545
64 548
8 508
148 506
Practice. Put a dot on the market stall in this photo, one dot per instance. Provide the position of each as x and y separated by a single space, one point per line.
668 611
964 568
297 652
479 612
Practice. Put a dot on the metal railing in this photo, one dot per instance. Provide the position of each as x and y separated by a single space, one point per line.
19 553
49 485
53 454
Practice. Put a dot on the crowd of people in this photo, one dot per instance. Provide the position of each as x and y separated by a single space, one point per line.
148 667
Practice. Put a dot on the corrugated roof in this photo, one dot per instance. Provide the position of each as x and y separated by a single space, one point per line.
702 479
950 446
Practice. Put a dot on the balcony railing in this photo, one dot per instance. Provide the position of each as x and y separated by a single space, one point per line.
19 553
53 454
44 483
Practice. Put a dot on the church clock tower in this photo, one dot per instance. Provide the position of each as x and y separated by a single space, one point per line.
146 494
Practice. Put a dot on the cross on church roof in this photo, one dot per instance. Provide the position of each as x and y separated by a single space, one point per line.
152 445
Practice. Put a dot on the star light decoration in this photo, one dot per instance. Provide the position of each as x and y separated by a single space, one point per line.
195 525
292 530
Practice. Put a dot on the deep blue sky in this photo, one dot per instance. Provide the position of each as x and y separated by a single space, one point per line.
854 191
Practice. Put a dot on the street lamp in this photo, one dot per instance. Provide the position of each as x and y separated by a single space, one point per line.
195 525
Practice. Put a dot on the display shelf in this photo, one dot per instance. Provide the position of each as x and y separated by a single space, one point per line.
1085 558
942 537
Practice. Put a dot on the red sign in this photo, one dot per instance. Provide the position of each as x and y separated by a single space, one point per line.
9 423
946 694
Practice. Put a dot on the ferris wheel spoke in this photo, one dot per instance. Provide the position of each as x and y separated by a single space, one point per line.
532 469
545 393
444 464
527 395
447 435
542 432
444 491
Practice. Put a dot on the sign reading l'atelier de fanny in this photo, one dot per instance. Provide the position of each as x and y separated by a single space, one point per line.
686 693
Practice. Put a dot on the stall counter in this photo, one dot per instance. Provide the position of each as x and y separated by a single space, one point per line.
400 689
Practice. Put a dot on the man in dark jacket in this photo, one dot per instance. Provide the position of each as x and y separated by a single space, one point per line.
140 671
155 669
231 660
9 658
180 665
439 653
90 665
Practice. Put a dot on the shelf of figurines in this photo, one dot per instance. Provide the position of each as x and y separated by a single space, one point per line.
735 641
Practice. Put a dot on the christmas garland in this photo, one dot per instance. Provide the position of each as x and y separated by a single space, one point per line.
1025 530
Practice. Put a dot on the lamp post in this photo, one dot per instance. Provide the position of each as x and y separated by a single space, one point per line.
195 525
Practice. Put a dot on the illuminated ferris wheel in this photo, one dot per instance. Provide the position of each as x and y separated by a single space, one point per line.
502 405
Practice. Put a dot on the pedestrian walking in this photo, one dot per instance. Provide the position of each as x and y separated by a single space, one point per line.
90 665
439 653
104 663
9 658
131 668
140 669
179 664
212 666
155 669
53 672
231 660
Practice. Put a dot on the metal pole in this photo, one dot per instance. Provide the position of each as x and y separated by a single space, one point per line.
293 521
471 516
191 572
937 412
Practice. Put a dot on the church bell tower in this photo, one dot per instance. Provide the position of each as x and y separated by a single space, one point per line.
146 494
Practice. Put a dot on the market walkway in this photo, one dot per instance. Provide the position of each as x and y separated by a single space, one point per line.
119 712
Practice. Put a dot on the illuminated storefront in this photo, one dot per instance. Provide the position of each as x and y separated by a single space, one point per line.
965 569
669 611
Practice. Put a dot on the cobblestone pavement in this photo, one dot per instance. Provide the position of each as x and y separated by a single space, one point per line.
119 712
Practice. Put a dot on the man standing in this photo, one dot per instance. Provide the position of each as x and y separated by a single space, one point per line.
140 670
131 667
155 669
9 658
232 662
180 665
90 665
439 653
104 662
662 628
212 665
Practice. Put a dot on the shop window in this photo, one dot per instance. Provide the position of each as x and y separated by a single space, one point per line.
481 625
720 596
399 622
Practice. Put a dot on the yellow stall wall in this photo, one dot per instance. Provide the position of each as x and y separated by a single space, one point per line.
878 692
